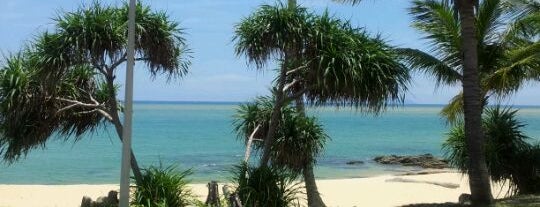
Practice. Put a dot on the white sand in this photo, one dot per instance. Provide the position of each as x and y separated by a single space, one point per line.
373 191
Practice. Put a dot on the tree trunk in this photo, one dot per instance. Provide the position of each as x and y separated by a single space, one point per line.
276 114
212 199
313 195
479 182
113 107
249 143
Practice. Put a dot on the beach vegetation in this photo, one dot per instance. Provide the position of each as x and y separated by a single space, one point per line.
483 46
163 186
270 186
322 60
509 155
63 83
507 50
299 139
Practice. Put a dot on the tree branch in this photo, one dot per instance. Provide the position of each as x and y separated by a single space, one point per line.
117 63
99 67
248 145
96 107
296 69
77 103
103 113
139 59
287 86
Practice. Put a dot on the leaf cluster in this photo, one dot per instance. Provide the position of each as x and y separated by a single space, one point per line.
265 186
163 186
508 47
62 83
325 58
510 158
298 141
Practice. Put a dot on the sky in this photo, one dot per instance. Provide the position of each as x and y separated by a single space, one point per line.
216 73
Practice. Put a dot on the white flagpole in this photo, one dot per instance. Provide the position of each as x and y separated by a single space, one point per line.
128 110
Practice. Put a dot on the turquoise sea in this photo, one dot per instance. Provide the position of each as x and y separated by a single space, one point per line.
200 136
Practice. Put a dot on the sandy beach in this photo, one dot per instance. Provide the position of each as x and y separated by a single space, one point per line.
387 190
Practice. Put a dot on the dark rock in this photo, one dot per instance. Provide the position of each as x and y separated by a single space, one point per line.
424 161
355 162
104 201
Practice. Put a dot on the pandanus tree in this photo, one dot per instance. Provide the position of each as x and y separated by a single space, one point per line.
65 81
323 60
510 158
299 138
472 46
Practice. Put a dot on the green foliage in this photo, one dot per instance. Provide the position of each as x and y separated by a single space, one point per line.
271 32
30 114
346 66
331 61
508 57
163 186
265 186
298 141
97 33
62 83
508 154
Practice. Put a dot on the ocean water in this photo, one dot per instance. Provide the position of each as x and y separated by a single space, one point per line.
199 136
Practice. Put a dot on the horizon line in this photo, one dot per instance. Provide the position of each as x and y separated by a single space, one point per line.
238 102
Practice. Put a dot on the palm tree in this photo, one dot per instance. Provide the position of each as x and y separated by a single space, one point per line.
64 82
471 49
506 59
299 139
463 13
273 32
323 61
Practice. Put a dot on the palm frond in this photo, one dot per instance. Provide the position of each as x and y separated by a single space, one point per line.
348 1
489 21
453 111
523 65
270 32
348 67
160 41
430 66
437 19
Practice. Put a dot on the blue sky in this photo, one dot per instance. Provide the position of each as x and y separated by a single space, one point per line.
216 73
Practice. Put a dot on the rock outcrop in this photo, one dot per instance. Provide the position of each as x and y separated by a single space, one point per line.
104 201
424 161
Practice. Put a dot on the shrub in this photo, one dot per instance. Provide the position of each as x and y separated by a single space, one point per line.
265 186
508 154
163 187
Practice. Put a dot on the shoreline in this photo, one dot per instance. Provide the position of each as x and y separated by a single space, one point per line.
199 180
382 190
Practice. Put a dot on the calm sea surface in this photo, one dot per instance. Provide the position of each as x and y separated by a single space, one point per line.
200 136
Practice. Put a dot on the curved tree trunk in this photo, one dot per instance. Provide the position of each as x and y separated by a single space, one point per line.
113 107
313 195
276 113
479 182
